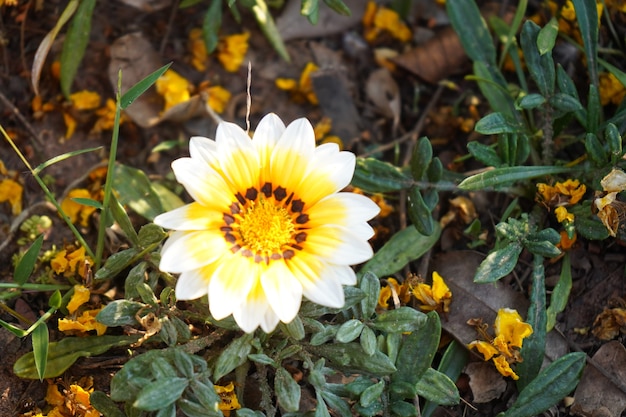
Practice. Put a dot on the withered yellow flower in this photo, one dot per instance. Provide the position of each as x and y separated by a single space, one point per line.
301 90
75 211
70 264
197 48
11 191
381 19
568 192
504 348
609 209
84 323
232 50
228 398
174 88
402 291
218 98
85 100
562 215
435 297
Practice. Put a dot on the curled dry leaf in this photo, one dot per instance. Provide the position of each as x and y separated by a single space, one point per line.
485 382
383 91
596 393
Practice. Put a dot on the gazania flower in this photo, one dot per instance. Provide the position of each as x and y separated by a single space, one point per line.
268 224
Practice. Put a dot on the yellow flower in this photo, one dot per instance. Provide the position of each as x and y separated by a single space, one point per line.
84 323
106 117
81 296
303 89
377 20
402 292
504 348
85 100
173 88
436 297
232 50
268 224
74 401
228 398
564 193
218 98
566 243
75 211
11 192
611 90
69 264
197 47
563 216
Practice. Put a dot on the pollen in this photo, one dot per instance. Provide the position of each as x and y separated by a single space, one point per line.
265 228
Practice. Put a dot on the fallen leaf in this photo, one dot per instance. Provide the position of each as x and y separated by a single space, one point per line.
485 382
595 392
383 91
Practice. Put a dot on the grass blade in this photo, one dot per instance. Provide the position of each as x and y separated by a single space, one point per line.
139 88
75 44
40 348
25 266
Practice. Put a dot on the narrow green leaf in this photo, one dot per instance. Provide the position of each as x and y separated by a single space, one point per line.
336 403
485 154
75 44
419 212
368 340
551 385
311 10
372 393
263 359
420 160
370 285
534 346
119 313
116 263
211 25
506 175
135 190
40 348
63 157
268 27
594 110
565 103
287 390
547 36
350 357
376 176
295 328
160 393
541 67
494 87
233 356
101 402
531 101
587 17
27 262
150 234
139 88
339 6
596 152
614 140
62 354
437 387
498 263
320 410
400 320
349 331
121 217
560 293
495 123
402 248
452 363
472 30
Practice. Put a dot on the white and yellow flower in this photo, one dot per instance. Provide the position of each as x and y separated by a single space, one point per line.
268 224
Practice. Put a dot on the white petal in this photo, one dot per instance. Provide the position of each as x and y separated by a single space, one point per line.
326 291
337 245
344 274
204 149
255 312
237 156
202 182
192 216
349 210
283 291
184 251
292 155
191 285
267 132
230 285
331 164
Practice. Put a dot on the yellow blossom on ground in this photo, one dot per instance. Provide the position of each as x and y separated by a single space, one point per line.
566 243
568 192
381 19
75 211
228 398
84 323
303 89
231 51
402 292
106 117
8 2
173 88
611 90
70 124
73 402
269 224
85 100
11 191
218 97
197 48
70 264
562 215
505 346
436 297
81 296
322 128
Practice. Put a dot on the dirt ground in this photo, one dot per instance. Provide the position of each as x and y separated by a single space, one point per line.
366 127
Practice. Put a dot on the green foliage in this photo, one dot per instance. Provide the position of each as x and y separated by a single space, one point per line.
75 44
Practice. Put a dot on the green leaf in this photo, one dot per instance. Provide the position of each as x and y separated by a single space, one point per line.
135 190
370 285
531 101
295 328
40 348
372 393
472 30
368 340
27 262
534 346
542 248
119 313
233 356
336 403
139 88
90 202
614 140
349 331
350 357
62 354
437 387
101 402
150 234
211 26
352 295
485 154
587 17
565 103
547 36
310 9
506 175
403 319
560 293
376 176
63 157
268 27
419 212
541 67
320 410
404 409
75 44
116 263
495 123
498 263
263 359
494 87
160 393
594 110
122 219
287 390
403 247
551 385
595 150
339 6
421 158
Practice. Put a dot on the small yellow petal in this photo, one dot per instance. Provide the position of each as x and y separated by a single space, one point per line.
503 366
11 191
85 100
81 296
485 348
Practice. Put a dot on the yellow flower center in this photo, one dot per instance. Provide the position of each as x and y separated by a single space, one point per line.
266 223
266 227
